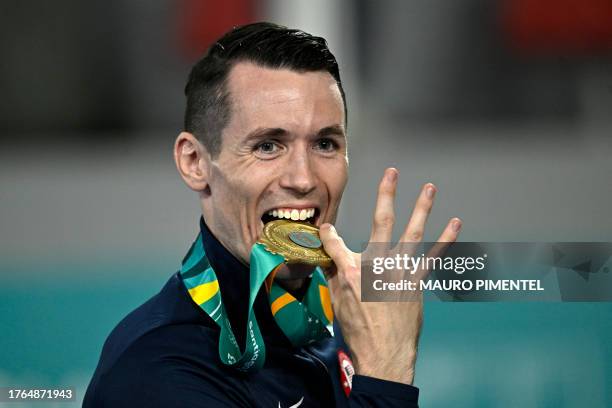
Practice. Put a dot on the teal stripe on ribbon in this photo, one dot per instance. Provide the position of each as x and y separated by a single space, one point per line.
205 276
195 255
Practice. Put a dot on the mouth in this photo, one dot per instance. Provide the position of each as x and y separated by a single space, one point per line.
309 215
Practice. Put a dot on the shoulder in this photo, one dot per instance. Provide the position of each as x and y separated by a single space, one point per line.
165 346
175 365
165 351
170 307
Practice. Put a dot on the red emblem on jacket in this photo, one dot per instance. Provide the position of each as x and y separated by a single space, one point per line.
346 372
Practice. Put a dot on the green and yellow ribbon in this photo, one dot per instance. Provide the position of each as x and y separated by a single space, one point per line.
302 322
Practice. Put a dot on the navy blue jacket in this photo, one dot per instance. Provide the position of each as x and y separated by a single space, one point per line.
165 354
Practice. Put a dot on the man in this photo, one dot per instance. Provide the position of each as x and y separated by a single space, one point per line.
265 138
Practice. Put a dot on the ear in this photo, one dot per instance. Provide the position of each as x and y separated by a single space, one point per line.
192 161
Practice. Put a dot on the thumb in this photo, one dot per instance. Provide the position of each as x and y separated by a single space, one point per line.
334 246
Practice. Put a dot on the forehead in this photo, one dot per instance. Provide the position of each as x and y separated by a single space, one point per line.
297 101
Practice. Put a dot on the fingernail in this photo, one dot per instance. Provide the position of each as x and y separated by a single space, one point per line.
456 225
392 175
430 191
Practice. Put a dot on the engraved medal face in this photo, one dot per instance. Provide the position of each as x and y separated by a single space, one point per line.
305 239
297 242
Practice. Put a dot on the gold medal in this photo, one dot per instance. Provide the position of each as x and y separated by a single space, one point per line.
297 242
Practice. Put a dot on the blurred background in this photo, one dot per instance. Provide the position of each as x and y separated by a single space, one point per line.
506 105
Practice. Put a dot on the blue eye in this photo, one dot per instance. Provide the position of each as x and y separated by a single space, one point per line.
327 145
267 147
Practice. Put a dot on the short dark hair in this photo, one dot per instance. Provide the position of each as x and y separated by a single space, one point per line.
266 44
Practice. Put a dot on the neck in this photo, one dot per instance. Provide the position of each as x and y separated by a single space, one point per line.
296 287
294 278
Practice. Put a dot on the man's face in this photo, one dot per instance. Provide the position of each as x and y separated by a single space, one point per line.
283 153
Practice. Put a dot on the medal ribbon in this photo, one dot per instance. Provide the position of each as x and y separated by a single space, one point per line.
302 322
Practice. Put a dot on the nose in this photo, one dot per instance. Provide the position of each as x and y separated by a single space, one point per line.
299 174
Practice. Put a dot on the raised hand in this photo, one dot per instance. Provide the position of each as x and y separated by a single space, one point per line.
383 337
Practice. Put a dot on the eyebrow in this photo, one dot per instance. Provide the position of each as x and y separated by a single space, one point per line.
334 130
262 133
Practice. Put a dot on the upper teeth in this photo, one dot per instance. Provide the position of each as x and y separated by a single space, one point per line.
292 213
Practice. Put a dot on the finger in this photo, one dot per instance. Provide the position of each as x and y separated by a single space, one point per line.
448 236
335 247
451 232
384 216
416 226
